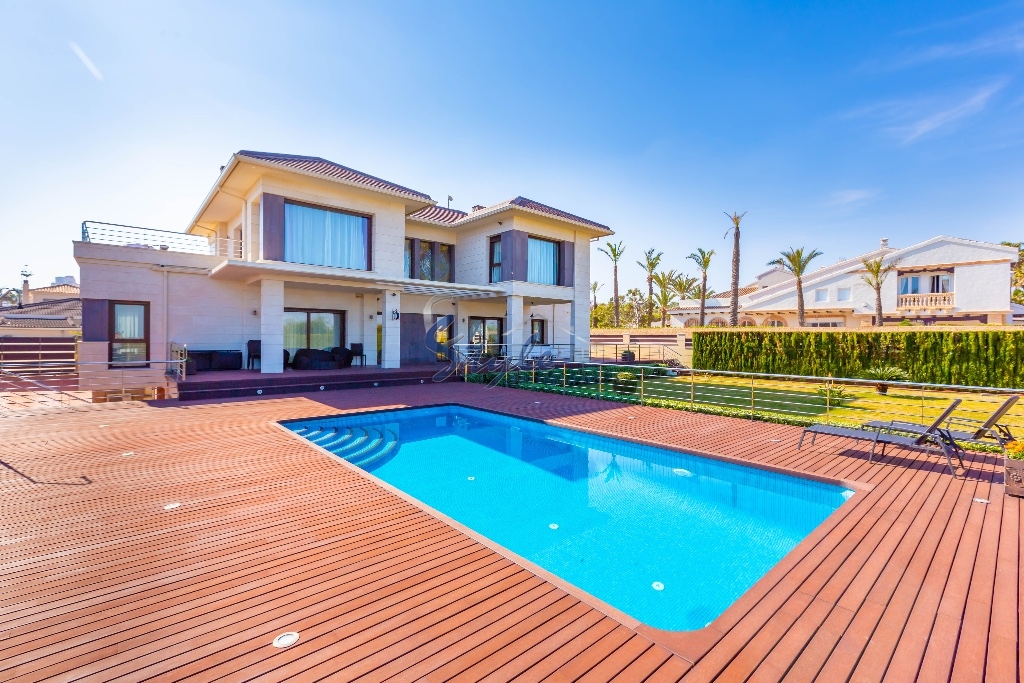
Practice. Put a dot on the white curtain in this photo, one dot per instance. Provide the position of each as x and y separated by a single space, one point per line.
129 321
324 238
542 262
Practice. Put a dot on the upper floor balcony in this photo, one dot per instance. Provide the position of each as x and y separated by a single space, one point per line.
162 240
942 300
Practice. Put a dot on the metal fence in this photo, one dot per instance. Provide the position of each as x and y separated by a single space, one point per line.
640 353
784 398
163 240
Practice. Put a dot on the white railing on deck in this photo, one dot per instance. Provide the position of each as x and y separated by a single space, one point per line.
945 300
162 240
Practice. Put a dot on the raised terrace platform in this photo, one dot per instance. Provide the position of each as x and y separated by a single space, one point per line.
240 383
916 578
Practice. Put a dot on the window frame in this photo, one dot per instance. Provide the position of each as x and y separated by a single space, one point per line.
333 209
818 298
849 294
542 323
111 320
341 313
558 259
495 240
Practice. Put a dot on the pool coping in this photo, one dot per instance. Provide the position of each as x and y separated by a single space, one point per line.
690 645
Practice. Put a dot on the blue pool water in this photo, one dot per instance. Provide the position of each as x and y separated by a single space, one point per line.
668 538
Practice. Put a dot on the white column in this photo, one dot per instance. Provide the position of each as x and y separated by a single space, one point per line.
572 330
514 325
271 326
391 302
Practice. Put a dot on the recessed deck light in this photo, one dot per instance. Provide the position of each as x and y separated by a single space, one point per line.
127 454
658 586
259 392
983 501
171 506
286 639
552 526
102 426
321 387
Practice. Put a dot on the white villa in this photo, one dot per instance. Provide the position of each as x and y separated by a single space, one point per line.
945 280
300 252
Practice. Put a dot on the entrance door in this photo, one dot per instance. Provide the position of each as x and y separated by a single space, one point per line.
487 333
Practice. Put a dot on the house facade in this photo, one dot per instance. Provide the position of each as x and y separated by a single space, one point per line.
944 280
300 252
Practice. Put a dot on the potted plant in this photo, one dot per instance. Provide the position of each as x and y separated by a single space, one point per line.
882 374
1014 463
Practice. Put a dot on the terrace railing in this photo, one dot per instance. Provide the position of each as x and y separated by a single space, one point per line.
945 300
29 386
783 398
162 240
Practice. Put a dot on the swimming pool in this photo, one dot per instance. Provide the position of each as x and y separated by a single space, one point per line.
669 538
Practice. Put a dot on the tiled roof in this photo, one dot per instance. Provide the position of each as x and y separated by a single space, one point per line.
536 207
438 214
58 289
330 169
59 313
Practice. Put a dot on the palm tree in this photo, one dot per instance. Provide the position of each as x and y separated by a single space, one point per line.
665 299
594 286
666 295
878 270
650 264
614 252
684 286
796 261
703 260
734 297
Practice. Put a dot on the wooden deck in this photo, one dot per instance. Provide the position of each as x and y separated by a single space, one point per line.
912 580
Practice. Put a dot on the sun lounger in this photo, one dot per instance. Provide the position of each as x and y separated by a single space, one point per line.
981 433
933 436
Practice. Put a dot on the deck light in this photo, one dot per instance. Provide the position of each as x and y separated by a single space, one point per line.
171 506
259 392
321 387
286 639
983 501
658 586
127 454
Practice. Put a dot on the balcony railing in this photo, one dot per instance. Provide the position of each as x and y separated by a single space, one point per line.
944 300
163 240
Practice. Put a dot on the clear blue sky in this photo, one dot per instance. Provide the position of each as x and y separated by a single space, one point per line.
833 126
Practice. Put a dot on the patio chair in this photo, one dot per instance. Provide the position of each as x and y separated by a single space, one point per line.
932 436
252 348
980 432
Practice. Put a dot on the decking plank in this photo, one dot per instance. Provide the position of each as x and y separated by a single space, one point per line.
275 536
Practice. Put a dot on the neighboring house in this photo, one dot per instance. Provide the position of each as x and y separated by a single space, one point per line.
64 287
300 252
50 318
945 280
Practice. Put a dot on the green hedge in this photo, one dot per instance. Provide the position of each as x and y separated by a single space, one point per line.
975 358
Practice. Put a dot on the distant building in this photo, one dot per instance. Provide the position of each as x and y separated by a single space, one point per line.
52 318
63 287
945 280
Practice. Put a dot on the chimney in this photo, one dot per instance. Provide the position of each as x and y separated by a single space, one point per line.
26 293
478 208
885 243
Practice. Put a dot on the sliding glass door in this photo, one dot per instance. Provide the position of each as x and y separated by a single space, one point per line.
313 329
486 332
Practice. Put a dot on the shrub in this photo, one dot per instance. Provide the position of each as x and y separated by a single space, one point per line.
625 382
834 395
882 374
1015 450
992 358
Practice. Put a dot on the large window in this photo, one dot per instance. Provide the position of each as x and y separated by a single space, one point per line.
486 333
313 329
542 261
433 261
941 284
910 284
129 332
495 258
323 237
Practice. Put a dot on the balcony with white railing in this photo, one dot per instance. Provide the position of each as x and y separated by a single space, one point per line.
926 301
162 240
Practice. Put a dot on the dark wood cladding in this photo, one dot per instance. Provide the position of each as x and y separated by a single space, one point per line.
273 227
95 320
566 263
514 248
